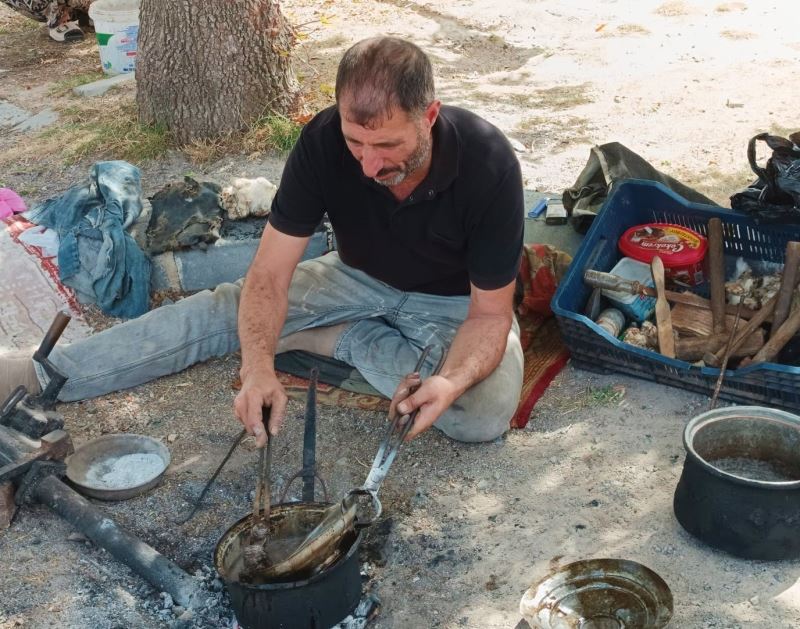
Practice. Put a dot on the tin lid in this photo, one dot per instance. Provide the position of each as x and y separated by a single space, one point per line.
605 593
674 244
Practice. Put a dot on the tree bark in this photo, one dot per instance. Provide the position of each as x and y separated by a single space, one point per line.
206 68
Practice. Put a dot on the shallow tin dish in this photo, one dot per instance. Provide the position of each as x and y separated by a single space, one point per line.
598 594
118 467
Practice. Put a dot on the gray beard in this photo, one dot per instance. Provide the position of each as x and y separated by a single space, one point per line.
414 162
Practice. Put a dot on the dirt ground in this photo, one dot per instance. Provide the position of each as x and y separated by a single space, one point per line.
468 528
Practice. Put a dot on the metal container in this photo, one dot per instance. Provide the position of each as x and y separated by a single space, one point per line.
598 594
740 486
108 454
308 601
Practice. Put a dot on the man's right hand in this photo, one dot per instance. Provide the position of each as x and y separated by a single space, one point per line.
259 389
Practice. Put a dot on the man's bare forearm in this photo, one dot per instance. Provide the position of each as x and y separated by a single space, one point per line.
476 350
262 313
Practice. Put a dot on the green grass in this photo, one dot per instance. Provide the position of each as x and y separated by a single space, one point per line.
113 133
276 130
108 128
63 87
21 25
603 396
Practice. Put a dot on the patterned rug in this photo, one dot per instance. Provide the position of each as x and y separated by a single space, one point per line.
545 356
330 395
32 292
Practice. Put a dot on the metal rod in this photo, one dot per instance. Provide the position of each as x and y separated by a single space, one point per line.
143 559
724 365
203 493
263 498
310 438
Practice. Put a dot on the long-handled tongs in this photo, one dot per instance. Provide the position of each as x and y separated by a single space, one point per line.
395 435
340 518
252 552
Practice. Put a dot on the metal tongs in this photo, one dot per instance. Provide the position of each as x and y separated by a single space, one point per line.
253 551
395 435
321 543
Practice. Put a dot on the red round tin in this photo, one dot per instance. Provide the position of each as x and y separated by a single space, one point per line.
681 250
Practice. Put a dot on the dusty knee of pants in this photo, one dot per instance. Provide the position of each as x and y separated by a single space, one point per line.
227 294
484 412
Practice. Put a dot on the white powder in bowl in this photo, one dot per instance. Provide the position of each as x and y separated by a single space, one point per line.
129 470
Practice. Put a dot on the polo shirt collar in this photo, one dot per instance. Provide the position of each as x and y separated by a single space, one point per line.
446 151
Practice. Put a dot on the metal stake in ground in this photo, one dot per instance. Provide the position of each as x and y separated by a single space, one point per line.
723 367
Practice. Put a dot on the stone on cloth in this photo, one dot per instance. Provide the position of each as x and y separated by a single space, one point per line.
248 197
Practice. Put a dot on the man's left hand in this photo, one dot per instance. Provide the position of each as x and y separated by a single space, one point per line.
433 397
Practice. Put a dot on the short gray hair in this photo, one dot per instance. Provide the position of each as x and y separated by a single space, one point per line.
380 74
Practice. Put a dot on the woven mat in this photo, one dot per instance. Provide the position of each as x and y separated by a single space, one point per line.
329 395
545 355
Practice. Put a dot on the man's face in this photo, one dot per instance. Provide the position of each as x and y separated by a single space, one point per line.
393 148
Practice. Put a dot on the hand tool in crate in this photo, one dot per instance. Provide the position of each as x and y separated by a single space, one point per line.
774 382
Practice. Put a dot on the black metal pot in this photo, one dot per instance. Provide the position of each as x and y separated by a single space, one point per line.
740 486
315 602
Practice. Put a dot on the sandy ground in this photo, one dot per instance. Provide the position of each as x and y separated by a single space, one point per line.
468 527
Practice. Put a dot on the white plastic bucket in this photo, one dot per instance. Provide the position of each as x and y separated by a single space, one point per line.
116 23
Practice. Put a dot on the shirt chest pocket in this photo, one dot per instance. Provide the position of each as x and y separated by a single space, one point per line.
446 230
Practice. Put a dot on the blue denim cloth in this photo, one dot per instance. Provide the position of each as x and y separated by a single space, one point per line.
96 256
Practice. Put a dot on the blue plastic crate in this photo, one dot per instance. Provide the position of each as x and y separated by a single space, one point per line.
635 202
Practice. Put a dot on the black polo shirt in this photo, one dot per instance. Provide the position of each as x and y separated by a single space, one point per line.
463 223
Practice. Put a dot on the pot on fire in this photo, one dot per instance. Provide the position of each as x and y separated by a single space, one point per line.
305 601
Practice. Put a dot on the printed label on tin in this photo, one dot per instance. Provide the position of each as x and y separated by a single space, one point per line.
664 239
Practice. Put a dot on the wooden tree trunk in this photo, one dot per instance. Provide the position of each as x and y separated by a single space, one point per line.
209 67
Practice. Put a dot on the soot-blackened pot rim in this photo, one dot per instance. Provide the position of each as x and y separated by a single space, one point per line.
286 585
738 412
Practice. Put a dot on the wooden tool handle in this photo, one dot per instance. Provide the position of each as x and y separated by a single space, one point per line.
758 318
788 282
694 348
598 279
716 274
779 338
666 342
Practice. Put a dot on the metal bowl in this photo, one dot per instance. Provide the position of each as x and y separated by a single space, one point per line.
118 467
308 600
598 594
740 486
